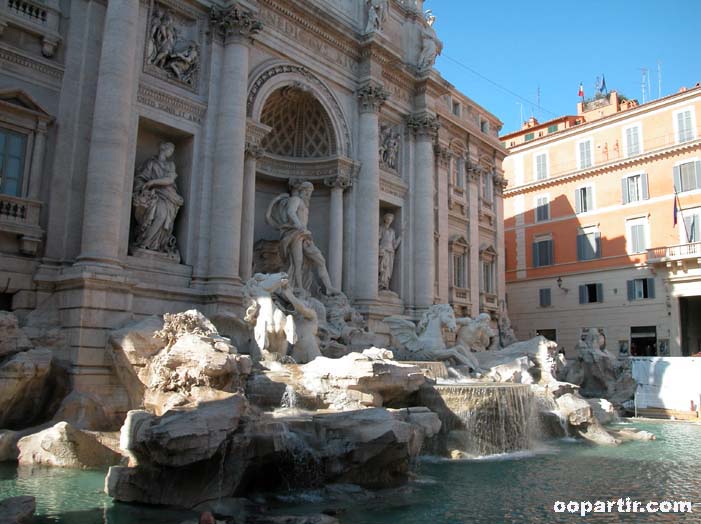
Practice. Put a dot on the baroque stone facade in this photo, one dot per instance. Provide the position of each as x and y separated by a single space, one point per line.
243 101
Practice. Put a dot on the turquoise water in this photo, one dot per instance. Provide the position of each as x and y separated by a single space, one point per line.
513 489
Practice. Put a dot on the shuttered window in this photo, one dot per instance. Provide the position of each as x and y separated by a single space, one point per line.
634 188
544 296
590 293
542 253
584 199
541 166
585 160
692 227
640 288
632 141
685 128
687 177
542 209
588 245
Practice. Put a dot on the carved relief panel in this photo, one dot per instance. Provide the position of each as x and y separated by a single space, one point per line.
389 150
174 44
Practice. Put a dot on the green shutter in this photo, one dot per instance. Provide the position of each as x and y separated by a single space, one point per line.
644 187
583 294
650 288
631 289
599 292
677 173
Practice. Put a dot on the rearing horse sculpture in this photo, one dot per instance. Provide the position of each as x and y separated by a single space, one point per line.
425 341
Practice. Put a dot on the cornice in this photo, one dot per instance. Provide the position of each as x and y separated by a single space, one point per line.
623 163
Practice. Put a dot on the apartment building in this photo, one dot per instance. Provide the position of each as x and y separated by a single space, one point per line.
590 234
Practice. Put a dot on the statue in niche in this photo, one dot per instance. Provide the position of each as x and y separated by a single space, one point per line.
289 214
430 45
176 56
389 147
389 242
377 14
156 203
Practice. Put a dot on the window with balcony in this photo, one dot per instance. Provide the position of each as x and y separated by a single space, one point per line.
542 251
591 293
634 188
637 235
641 288
687 176
684 125
632 141
588 244
584 154
541 166
584 199
542 210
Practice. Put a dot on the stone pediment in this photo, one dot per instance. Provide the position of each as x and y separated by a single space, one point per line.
458 240
487 250
23 102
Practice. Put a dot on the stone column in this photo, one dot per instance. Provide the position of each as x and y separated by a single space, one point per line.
254 135
109 139
474 188
500 184
444 275
334 261
425 127
38 152
235 29
371 96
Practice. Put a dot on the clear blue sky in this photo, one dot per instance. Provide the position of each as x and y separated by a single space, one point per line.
555 45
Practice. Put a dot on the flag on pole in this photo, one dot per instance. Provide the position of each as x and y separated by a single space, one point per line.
581 90
676 208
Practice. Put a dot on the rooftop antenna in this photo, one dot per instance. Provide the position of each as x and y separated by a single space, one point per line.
538 99
521 106
659 79
643 84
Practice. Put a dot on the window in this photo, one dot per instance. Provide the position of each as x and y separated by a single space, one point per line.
691 232
542 210
588 244
541 166
584 149
542 252
584 199
488 276
484 126
552 129
687 176
640 288
637 235
487 187
459 173
634 188
456 108
544 296
684 125
550 334
632 141
529 136
590 293
459 274
12 153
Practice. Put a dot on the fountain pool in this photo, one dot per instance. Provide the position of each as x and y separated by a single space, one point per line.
516 488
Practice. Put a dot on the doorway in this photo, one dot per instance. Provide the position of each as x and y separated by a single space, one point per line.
643 341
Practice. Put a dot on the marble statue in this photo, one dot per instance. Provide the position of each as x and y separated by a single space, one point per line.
377 14
176 56
475 335
156 203
430 45
289 214
343 322
281 319
389 147
389 242
425 340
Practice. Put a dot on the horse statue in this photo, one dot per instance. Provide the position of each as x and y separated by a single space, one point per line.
425 340
475 334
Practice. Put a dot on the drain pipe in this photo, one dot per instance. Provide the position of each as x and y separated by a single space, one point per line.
635 401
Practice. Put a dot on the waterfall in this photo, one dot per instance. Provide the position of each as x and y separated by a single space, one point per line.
289 398
485 418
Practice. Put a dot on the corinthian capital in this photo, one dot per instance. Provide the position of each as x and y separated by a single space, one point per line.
424 125
234 22
372 96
